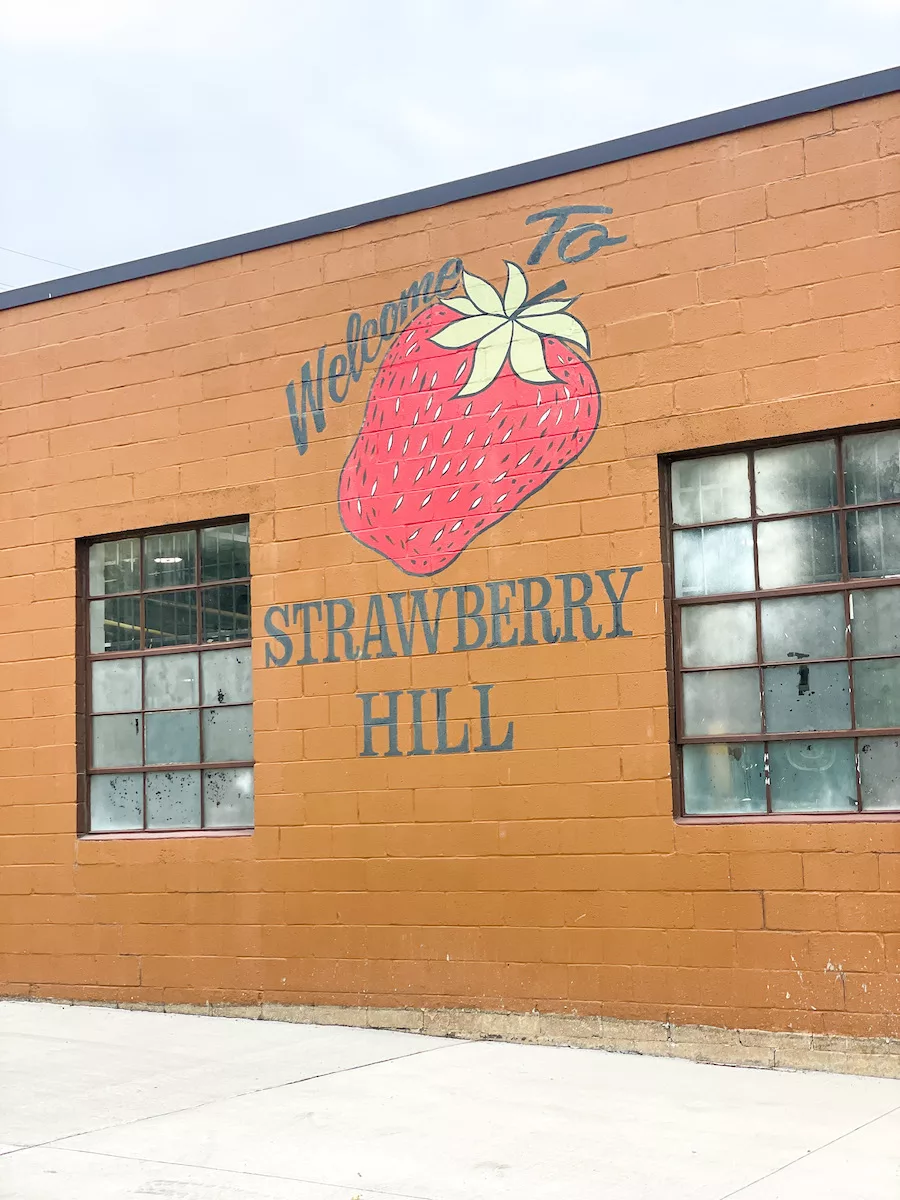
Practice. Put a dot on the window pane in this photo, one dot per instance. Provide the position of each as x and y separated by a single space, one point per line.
226 676
879 770
798 551
117 802
805 698
813 776
795 478
710 489
873 542
718 635
872 467
715 561
228 798
225 552
226 613
721 702
876 691
724 779
114 567
115 624
170 619
227 734
803 627
116 685
173 799
170 559
117 741
875 621
171 681
173 737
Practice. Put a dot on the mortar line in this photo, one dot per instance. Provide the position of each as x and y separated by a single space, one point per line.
810 1153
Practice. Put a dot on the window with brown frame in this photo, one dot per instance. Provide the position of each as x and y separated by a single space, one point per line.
168 690
786 627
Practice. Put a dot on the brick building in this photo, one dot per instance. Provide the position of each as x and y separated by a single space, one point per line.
563 507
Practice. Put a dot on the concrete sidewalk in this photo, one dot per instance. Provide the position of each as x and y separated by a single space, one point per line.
102 1104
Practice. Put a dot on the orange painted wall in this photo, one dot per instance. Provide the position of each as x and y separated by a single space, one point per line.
757 295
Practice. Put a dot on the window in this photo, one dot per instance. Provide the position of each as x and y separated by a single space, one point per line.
169 729
786 627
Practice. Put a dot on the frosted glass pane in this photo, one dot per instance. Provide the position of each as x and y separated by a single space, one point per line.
795 478
173 737
227 734
724 778
798 551
228 798
872 467
715 561
879 769
803 627
172 681
114 567
721 702
170 559
116 685
173 799
807 698
117 802
875 621
876 691
115 624
873 542
226 676
813 776
710 489
718 635
117 741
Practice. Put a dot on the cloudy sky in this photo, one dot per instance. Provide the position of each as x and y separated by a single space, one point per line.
129 127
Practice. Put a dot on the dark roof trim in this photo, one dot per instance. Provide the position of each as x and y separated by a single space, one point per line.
829 95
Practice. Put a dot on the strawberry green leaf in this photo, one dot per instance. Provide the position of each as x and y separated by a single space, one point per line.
559 325
466 331
526 356
463 305
543 308
490 355
483 295
516 289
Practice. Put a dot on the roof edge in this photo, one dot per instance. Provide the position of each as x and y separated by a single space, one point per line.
745 116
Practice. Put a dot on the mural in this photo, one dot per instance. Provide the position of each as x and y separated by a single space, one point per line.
480 400
477 404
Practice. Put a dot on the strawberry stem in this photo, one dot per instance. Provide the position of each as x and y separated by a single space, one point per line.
559 286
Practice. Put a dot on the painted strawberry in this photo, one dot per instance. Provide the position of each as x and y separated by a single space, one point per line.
477 404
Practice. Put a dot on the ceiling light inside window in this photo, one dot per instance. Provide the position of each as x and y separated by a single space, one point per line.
165 562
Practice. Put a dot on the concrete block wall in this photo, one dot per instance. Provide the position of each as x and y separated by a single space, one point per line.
756 294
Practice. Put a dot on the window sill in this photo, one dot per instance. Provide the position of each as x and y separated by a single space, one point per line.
786 818
132 835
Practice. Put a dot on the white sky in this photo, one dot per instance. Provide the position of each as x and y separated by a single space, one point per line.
129 127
